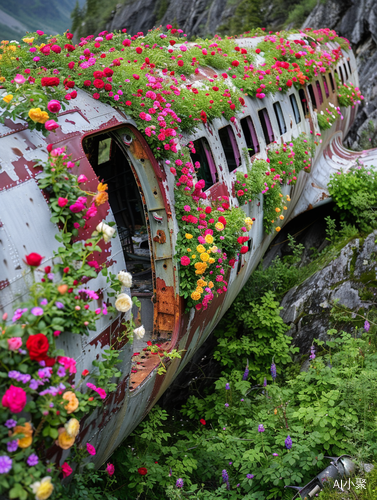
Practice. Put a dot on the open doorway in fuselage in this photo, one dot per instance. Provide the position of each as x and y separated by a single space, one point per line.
113 168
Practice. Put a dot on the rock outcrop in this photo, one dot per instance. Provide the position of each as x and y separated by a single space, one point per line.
357 21
349 281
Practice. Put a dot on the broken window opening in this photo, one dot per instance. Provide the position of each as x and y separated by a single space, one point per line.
229 144
326 87
266 125
251 137
319 92
203 155
304 102
296 111
112 166
332 82
312 96
280 118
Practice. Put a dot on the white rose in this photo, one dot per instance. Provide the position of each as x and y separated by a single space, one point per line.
123 303
139 332
106 230
125 279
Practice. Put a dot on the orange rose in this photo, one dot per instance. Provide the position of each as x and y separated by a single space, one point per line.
102 187
62 289
25 430
101 198
73 402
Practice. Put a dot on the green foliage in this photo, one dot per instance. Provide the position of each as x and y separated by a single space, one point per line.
331 231
327 410
368 137
260 338
355 195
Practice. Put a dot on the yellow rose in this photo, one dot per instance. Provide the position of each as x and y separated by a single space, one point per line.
248 221
277 229
44 117
188 249
193 256
195 296
72 427
42 489
200 249
188 236
199 289
73 402
201 282
25 430
211 260
28 40
204 257
281 217
219 226
210 284
64 440
8 98
35 114
12 48
208 238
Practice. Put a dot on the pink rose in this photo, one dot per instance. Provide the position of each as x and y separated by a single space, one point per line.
54 106
68 363
77 207
62 202
90 449
14 399
110 469
14 343
82 178
66 470
51 125
101 392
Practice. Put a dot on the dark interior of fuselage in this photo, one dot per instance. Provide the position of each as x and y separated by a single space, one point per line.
112 167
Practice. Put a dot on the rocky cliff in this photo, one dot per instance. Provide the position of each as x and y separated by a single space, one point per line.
357 21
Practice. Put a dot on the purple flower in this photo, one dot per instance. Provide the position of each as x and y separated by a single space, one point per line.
61 371
44 302
261 428
25 378
275 455
59 305
226 405
33 384
225 476
12 445
230 463
32 460
17 314
44 373
265 382
288 442
227 386
246 372
50 276
170 472
273 370
10 423
179 483
366 325
312 352
249 476
5 464
14 374
37 311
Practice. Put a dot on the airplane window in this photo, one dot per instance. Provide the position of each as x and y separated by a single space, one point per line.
312 96
332 82
229 144
203 155
325 86
319 91
296 111
250 135
280 118
266 125
104 151
303 100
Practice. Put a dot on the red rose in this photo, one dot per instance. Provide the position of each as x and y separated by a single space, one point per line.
244 250
98 83
73 94
71 65
69 36
142 471
69 47
180 63
47 269
69 83
33 259
66 470
38 346
203 116
202 421
257 51
232 262
108 87
222 220
289 83
52 81
108 72
139 50
85 373
172 42
98 74
56 49
235 63
87 83
208 210
126 43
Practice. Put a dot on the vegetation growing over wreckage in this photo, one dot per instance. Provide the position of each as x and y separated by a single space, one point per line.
152 79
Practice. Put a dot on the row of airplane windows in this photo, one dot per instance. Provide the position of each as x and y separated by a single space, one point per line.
203 154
